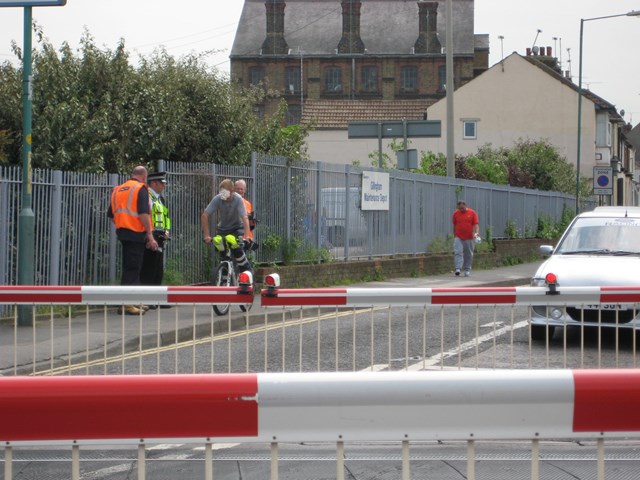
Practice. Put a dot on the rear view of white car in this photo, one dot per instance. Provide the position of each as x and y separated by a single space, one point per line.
599 248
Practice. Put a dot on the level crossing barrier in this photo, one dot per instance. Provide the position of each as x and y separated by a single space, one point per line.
339 408
302 330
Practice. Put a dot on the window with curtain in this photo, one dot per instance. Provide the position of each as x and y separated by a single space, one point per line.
292 80
333 80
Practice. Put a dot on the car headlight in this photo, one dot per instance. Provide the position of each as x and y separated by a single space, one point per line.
553 313
538 282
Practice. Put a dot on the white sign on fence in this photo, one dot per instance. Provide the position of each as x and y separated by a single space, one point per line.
375 191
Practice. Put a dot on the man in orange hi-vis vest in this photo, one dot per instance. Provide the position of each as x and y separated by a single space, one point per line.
130 211
241 188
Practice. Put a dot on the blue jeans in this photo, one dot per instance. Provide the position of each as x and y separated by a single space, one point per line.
463 253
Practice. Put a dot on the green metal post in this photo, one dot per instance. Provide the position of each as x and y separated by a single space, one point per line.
26 221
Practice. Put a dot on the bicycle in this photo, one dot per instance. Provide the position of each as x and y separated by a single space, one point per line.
227 275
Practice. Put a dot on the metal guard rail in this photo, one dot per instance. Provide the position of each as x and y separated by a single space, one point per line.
343 407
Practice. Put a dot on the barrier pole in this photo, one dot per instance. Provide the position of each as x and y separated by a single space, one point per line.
406 466
75 462
600 444
535 459
274 461
8 462
471 460
208 461
340 461
142 471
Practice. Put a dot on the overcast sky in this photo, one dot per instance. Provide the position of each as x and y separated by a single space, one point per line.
611 46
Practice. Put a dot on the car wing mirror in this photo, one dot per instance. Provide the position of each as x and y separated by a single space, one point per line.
546 250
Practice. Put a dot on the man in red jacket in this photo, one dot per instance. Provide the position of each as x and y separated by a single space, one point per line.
466 232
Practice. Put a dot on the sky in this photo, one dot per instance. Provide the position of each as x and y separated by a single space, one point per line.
207 28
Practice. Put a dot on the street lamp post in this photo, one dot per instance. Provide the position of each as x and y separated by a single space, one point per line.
632 13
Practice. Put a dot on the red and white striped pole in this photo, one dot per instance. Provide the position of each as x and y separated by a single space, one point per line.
118 295
364 297
355 406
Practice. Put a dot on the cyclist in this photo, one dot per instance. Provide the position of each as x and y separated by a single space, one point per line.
227 207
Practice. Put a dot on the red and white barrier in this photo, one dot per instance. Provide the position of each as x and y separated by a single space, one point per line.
363 406
119 295
339 297
365 297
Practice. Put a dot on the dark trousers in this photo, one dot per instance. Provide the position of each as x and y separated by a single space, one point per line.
132 256
152 268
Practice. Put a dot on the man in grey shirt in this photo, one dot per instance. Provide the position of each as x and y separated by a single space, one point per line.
227 217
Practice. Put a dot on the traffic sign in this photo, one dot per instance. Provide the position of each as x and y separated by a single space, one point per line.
602 183
32 3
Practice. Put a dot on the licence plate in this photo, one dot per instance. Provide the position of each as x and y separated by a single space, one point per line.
607 306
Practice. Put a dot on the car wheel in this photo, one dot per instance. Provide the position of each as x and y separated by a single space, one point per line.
539 332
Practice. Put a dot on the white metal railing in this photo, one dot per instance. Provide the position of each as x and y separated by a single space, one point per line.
338 329
339 408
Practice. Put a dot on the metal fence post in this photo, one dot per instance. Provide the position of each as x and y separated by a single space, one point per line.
113 241
56 223
319 215
347 194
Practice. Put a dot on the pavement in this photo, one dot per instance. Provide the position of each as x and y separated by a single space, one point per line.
59 340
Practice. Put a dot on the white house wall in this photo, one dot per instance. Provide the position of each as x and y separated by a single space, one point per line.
521 102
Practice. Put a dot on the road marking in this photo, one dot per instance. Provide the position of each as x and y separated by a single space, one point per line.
164 446
219 446
106 472
276 325
436 359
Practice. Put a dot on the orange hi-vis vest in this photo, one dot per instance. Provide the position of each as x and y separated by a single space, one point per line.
249 208
124 206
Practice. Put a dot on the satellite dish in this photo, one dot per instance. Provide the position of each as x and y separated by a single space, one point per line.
622 112
535 49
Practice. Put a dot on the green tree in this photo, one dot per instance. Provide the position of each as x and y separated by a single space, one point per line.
4 142
528 164
93 111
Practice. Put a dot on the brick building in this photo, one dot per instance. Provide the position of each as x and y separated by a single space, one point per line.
335 52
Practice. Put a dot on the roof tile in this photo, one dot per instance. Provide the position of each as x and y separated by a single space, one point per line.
337 114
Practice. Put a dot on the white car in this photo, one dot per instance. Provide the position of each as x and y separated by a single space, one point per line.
599 248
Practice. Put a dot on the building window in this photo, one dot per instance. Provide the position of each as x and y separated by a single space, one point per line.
294 114
469 128
408 79
333 80
256 75
292 80
442 79
369 79
258 111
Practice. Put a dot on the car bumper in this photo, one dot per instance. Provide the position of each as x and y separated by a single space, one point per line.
612 317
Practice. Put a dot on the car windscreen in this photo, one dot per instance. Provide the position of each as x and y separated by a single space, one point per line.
602 236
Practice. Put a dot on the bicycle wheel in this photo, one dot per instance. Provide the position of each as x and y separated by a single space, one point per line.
224 278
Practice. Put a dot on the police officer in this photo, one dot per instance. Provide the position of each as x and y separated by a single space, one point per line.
130 211
153 262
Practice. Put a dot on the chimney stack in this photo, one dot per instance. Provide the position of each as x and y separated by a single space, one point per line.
274 43
351 41
428 41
